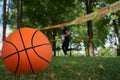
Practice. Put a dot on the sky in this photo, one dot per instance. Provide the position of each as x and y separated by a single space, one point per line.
8 31
1 10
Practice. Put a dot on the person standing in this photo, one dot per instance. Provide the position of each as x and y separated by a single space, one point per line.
66 39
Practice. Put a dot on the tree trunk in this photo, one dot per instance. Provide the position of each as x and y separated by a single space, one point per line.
19 14
4 20
118 36
90 34
90 30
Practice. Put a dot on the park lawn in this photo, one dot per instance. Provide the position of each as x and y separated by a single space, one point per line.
72 68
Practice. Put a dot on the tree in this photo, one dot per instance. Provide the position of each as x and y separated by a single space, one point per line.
4 19
103 27
41 13
90 30
46 13
118 36
19 13
115 17
116 23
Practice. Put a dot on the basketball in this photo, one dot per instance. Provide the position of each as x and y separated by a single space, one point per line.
26 50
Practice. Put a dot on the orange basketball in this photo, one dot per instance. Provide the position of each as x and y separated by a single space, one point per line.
26 50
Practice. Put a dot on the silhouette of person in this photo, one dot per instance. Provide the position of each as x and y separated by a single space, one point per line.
66 39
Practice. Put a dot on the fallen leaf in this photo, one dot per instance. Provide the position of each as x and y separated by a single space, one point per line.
89 78
68 67
100 66
78 73
52 75
118 76
62 72
74 62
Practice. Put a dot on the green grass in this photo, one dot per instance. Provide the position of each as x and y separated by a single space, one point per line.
72 68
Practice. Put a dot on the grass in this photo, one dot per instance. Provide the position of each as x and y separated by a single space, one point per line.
72 68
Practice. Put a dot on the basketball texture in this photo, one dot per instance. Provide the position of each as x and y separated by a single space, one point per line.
26 50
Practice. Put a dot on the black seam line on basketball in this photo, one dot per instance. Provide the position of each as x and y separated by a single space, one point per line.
35 50
24 50
17 52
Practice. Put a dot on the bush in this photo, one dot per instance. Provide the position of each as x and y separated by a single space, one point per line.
107 52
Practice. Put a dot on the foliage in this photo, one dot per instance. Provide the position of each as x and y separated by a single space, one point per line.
44 12
110 1
41 13
101 30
